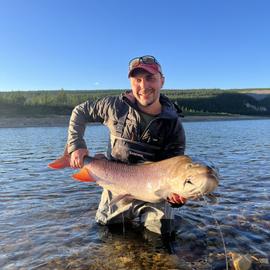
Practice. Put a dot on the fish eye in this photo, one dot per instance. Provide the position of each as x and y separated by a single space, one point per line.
189 166
188 181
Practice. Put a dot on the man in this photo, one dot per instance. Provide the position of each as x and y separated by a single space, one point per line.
144 126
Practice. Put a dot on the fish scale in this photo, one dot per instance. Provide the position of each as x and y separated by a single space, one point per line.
132 179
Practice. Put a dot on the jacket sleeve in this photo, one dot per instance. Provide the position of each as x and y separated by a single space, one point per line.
87 112
176 141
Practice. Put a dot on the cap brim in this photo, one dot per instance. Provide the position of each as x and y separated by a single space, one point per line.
153 69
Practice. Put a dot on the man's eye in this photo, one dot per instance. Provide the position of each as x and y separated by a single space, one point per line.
150 79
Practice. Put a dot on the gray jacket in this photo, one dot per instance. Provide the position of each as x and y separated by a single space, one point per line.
162 138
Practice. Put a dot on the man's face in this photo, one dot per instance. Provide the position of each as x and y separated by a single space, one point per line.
146 87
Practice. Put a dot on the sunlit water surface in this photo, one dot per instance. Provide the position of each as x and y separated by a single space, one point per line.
47 219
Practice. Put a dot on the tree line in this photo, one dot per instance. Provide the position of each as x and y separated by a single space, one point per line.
197 101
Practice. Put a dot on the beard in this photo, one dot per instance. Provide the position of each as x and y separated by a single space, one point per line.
148 98
147 103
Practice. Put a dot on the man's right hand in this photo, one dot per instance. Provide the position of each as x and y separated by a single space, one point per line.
76 158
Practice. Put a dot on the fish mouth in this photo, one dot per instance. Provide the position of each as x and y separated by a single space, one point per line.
210 184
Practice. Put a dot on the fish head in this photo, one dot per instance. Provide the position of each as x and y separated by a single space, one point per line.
195 179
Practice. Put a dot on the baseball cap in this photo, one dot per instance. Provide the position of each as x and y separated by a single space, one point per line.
146 62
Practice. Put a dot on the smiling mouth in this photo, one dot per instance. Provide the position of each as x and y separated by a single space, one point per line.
145 95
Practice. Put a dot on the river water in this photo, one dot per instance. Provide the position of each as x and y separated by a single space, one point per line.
47 219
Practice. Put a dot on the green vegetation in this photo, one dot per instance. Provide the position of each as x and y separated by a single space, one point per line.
198 101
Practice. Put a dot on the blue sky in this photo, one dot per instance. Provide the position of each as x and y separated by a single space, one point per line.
87 44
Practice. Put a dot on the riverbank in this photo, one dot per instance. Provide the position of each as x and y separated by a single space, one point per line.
63 120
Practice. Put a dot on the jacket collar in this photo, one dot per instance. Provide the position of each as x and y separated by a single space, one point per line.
168 108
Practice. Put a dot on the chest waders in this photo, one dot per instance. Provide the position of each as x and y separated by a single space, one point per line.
129 144
128 150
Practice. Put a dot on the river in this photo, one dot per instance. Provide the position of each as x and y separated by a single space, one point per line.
47 220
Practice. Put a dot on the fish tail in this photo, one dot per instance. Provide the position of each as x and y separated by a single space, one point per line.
64 161
83 175
60 163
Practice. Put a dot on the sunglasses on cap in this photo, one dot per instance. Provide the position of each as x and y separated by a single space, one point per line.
147 60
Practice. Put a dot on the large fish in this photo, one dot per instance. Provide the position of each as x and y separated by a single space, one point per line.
149 182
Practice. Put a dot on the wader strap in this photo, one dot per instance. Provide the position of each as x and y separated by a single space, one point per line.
133 151
136 143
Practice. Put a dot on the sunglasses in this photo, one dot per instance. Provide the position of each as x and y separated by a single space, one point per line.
147 59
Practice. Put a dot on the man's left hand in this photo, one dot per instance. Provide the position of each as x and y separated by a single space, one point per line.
176 200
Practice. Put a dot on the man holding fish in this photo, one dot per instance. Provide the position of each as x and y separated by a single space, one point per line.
144 127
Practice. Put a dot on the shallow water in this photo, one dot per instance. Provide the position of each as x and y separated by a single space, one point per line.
47 219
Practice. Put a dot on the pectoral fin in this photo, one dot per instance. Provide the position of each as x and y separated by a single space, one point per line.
83 175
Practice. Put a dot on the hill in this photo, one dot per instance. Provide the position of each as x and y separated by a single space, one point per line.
253 102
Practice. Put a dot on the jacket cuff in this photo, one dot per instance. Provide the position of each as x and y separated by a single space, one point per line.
73 147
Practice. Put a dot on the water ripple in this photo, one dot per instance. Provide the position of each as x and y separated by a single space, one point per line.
47 220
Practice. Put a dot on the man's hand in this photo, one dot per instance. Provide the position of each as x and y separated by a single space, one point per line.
76 158
176 200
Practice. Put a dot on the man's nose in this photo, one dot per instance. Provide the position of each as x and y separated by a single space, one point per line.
144 84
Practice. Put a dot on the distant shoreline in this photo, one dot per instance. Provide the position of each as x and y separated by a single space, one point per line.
63 120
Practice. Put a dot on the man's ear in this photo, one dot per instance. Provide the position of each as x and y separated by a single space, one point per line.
163 80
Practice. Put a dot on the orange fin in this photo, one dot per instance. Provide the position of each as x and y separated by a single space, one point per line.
60 163
83 176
